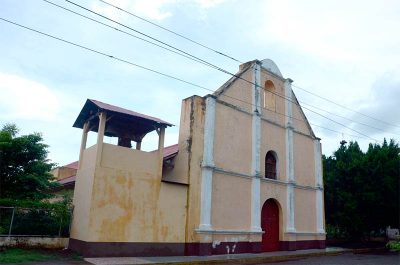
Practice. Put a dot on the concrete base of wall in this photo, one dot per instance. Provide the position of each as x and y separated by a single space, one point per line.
136 249
34 241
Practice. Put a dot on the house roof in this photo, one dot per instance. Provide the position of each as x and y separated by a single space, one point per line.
170 151
67 180
118 119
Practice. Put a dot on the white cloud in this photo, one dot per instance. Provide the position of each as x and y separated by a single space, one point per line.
150 9
21 98
336 31
208 3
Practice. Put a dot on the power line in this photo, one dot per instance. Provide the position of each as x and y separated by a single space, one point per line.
230 57
344 107
122 31
146 35
170 31
214 66
151 70
340 116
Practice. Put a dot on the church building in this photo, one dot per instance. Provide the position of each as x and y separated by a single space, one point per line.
245 176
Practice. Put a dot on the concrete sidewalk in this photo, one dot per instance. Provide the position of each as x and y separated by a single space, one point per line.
220 259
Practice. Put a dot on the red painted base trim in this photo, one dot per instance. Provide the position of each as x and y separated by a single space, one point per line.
303 244
126 249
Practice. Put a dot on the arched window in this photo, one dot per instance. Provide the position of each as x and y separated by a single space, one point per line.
269 96
270 165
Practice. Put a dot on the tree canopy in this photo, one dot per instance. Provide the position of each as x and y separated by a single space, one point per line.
362 188
24 167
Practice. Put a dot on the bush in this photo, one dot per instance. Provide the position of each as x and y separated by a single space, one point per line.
36 217
394 245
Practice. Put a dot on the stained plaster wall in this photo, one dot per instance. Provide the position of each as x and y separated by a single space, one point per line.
231 193
187 163
83 195
127 201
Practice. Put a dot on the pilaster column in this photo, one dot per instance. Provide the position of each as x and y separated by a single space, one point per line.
100 137
207 165
83 143
319 206
256 150
290 220
161 137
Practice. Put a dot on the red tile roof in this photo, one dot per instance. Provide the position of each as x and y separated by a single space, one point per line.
170 151
92 105
113 108
67 180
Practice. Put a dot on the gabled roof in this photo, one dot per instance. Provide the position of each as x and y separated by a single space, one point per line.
93 107
271 68
231 80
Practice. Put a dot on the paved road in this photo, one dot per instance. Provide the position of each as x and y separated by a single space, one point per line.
346 259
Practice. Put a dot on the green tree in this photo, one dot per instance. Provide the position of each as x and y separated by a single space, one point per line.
24 167
362 189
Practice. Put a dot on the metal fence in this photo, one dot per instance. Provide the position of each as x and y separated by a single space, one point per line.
18 221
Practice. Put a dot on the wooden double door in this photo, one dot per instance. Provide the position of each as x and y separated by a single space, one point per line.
270 226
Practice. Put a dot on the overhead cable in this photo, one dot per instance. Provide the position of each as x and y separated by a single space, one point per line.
148 69
170 31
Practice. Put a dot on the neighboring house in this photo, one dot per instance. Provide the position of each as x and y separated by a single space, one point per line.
245 177
65 176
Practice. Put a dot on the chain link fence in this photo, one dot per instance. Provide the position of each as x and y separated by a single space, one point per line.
19 221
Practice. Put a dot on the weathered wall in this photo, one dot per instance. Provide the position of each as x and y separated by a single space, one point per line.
83 195
195 149
33 241
231 194
63 172
128 202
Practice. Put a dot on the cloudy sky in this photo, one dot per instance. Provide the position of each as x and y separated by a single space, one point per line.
345 51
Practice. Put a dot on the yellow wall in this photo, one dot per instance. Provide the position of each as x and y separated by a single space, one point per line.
240 89
273 138
232 144
268 113
305 210
231 204
83 195
124 200
63 172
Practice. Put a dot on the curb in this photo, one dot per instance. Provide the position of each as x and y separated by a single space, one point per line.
366 250
256 259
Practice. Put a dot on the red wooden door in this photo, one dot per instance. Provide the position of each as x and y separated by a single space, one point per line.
270 226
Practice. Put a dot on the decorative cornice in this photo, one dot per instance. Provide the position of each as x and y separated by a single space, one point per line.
274 181
306 233
228 232
263 118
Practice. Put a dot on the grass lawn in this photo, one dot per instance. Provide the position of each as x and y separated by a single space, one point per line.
18 255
